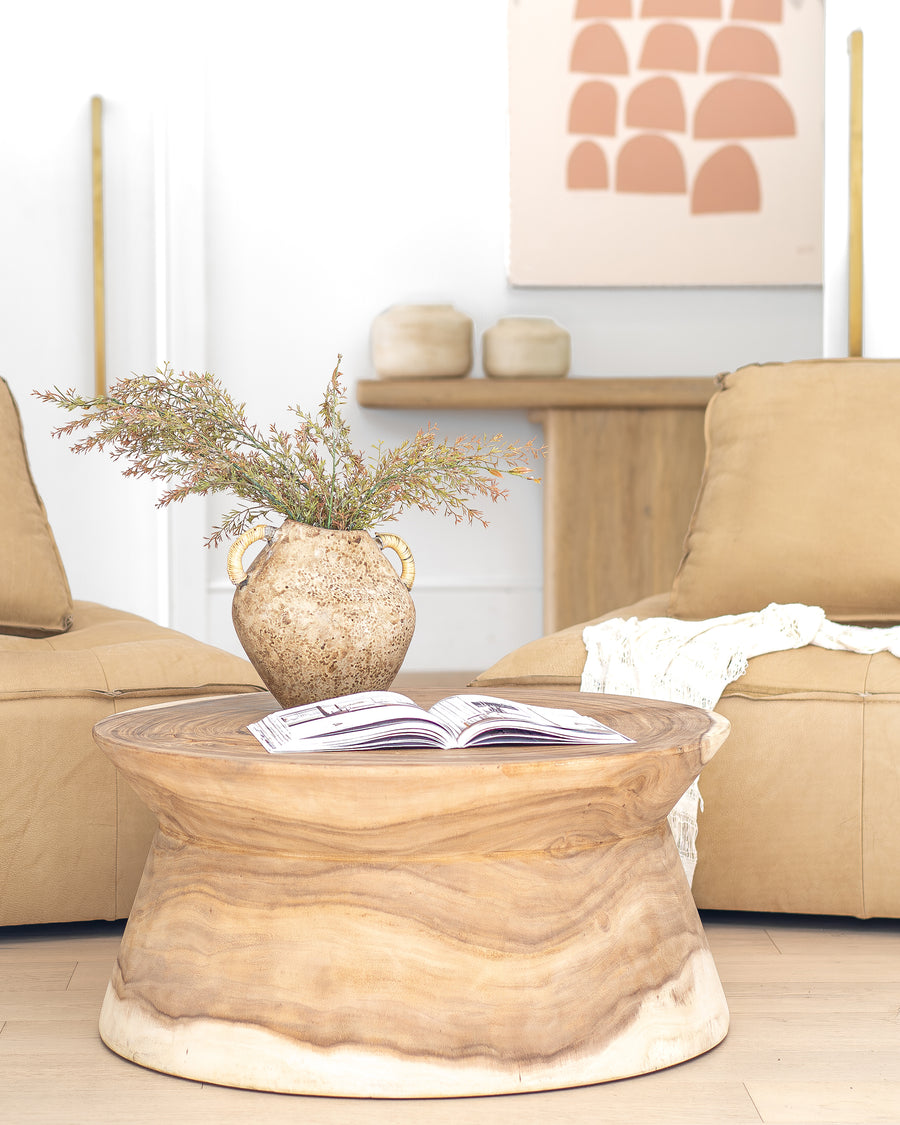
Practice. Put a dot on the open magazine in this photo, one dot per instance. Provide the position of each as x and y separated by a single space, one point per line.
383 720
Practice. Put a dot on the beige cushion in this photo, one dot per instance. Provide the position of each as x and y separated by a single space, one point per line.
800 804
73 834
800 497
34 592
558 659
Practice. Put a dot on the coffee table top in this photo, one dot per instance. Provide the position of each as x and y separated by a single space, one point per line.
217 726
206 777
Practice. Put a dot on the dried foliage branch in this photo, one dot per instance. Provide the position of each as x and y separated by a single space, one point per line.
187 431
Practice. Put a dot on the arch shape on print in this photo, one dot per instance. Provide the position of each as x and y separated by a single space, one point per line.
598 49
670 46
769 11
727 182
743 107
603 9
651 164
587 169
594 109
682 9
656 104
742 49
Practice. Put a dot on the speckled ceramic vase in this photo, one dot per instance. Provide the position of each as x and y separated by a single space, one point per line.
322 613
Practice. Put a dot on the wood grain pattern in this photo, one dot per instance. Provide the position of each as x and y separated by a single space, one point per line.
807 1051
855 194
411 923
537 394
619 491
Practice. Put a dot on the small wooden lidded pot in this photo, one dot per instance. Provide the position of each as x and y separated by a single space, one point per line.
519 347
422 341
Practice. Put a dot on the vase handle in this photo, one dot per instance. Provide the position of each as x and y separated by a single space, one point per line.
235 562
407 563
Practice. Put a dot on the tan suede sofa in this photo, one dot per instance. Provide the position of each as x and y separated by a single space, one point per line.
73 836
799 502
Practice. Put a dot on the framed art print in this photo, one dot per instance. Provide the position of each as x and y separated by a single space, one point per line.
666 142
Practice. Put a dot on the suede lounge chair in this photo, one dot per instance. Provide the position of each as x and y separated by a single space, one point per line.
799 503
73 836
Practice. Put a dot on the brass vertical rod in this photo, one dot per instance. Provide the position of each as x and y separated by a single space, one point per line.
99 281
855 246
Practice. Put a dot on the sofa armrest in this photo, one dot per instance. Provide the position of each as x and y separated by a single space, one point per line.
557 660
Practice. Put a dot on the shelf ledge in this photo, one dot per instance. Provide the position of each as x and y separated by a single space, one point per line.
647 393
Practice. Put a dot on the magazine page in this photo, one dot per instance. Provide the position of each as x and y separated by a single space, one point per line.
481 720
366 720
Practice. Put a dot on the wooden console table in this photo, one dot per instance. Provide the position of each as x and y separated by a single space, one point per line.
625 457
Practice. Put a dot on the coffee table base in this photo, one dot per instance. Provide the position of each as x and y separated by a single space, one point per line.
463 974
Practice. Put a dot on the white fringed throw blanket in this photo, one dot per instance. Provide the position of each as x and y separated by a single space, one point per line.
693 661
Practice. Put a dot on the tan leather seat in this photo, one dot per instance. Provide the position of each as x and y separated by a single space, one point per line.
800 502
73 836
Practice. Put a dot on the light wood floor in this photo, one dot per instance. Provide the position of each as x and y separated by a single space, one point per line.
815 1037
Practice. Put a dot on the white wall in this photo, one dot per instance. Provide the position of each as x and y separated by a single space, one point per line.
105 526
281 174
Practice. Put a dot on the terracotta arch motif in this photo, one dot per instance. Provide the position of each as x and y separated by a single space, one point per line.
670 46
727 181
656 104
602 9
588 170
769 10
594 108
682 9
599 50
651 163
743 107
742 49
741 99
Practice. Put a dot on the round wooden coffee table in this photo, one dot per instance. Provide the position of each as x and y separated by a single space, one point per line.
412 923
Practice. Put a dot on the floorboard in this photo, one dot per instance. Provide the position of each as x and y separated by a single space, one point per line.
815 1037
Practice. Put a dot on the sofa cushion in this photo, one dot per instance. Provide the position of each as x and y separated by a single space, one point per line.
799 500
800 804
806 673
34 594
108 652
800 807
73 834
